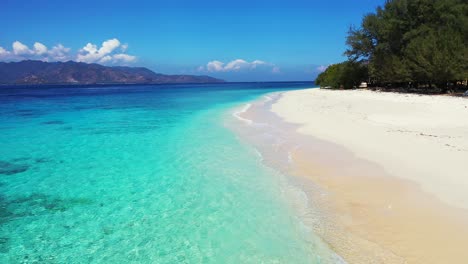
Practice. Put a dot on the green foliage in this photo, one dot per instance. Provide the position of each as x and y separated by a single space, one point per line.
413 40
436 56
344 75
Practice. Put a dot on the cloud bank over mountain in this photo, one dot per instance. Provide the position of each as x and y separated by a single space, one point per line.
110 52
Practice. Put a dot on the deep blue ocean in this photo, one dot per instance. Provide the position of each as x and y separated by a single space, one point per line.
141 174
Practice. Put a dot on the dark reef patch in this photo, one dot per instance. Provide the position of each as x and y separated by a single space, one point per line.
31 206
5 213
29 113
29 159
21 159
53 122
41 201
4 244
8 168
36 204
42 160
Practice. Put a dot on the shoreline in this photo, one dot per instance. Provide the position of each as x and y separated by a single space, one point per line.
364 211
411 136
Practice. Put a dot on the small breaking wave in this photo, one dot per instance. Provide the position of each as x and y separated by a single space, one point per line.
237 114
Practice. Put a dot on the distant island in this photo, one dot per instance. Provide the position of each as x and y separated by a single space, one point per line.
33 72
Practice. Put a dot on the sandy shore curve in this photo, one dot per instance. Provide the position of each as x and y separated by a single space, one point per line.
396 183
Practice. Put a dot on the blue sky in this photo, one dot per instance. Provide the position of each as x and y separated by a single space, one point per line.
235 40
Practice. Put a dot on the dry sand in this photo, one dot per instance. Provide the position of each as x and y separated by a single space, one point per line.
397 190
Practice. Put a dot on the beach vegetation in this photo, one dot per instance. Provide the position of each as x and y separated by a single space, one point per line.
343 75
417 45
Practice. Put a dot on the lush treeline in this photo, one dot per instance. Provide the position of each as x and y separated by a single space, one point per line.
347 74
412 44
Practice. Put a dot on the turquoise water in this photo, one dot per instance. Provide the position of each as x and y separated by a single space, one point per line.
142 174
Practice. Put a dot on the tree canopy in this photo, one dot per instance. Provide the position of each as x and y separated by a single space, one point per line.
345 75
421 41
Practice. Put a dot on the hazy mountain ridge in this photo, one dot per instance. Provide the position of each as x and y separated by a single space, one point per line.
70 72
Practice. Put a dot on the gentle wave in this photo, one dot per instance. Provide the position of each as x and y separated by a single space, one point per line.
237 114
259 154
271 142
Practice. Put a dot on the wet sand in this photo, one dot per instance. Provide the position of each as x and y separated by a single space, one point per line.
365 212
369 216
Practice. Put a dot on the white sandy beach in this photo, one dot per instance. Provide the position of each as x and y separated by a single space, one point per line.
416 137
398 192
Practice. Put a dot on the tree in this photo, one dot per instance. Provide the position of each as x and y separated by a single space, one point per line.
344 75
413 40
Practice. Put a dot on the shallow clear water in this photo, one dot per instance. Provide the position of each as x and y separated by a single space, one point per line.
140 174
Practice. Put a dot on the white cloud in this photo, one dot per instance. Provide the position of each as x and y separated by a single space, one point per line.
91 53
124 47
90 48
214 66
124 57
276 69
109 45
235 65
20 49
39 52
105 59
255 63
4 54
3 51
59 53
40 48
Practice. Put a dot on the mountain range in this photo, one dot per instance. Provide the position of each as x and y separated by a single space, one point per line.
33 72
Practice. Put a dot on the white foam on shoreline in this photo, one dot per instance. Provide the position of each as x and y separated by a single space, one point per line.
259 154
237 114
274 151
268 98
